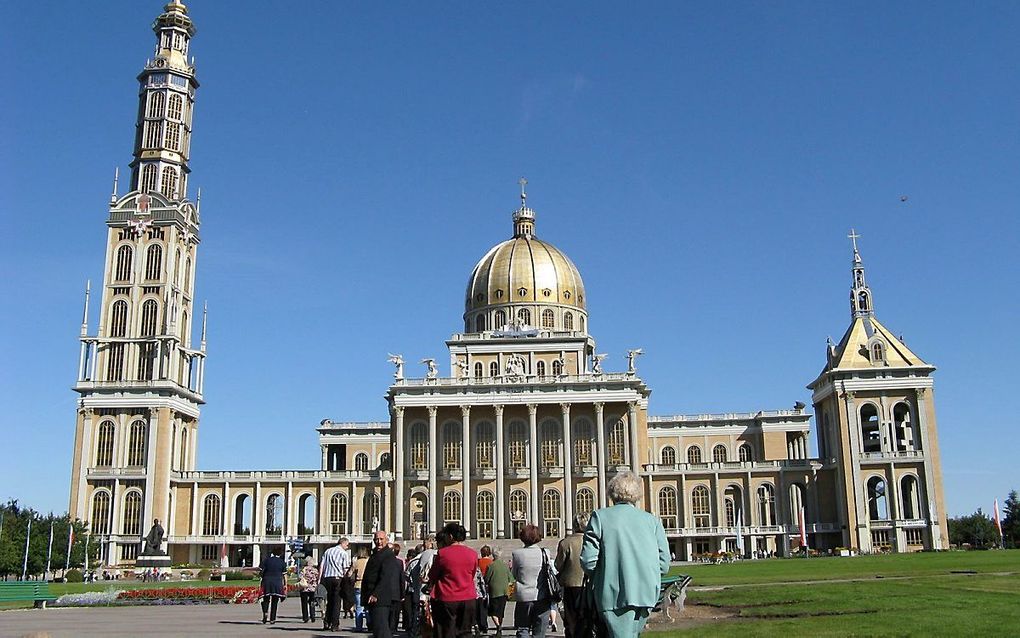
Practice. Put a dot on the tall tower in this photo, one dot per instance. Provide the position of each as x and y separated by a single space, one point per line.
139 377
875 417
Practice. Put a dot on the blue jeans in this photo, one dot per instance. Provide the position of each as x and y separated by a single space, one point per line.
531 618
359 611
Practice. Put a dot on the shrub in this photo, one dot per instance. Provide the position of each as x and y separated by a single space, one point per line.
237 575
74 576
203 574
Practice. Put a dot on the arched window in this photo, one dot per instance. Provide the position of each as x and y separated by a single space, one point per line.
616 443
360 462
451 507
548 318
274 515
871 435
766 505
500 321
123 271
877 353
175 102
701 506
372 513
580 323
551 438
557 367
568 321
118 319
184 449
494 369
524 317
338 514
168 185
877 505
173 137
694 454
551 513
730 515
419 458
132 525
540 368
746 454
485 443
480 323
152 134
137 445
451 446
307 514
668 455
150 315
185 333
104 446
733 501
719 454
485 513
911 498
211 515
385 461
584 502
518 503
155 105
153 261
517 446
187 275
479 370
796 502
668 507
242 515
583 443
904 429
148 178
101 513
862 302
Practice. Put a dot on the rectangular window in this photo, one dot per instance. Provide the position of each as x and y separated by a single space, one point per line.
915 536
484 529
210 552
129 552
177 80
173 136
157 78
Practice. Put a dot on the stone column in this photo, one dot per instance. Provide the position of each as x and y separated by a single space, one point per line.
433 456
533 463
397 462
635 462
568 470
227 516
465 465
325 458
600 456
500 476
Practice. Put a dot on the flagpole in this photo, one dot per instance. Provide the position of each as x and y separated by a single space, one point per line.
24 563
998 523
70 541
86 565
49 554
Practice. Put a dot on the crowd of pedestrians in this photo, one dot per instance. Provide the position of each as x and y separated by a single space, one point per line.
605 576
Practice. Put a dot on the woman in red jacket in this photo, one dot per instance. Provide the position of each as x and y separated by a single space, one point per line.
452 578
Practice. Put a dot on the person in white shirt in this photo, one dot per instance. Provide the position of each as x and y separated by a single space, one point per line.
335 563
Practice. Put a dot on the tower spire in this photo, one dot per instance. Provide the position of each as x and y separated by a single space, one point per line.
524 217
85 311
861 302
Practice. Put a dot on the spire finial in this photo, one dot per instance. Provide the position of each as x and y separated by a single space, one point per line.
861 303
85 312
524 193
116 178
205 319
524 217
853 237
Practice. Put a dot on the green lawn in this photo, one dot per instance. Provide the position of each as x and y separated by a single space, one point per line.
903 595
59 589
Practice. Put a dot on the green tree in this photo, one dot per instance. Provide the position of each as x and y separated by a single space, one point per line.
976 530
12 541
1011 521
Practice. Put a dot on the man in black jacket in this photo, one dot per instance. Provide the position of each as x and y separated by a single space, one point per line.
381 586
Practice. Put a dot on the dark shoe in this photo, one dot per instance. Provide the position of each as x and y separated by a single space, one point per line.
265 620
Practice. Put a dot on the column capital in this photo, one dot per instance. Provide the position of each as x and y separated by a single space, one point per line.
499 409
565 408
631 405
599 405
432 411
921 392
397 410
465 411
532 409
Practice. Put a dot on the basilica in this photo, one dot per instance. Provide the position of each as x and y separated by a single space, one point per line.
526 428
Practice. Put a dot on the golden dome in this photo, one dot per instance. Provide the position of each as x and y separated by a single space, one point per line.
525 281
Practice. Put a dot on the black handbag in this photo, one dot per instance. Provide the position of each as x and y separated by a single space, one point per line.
547 580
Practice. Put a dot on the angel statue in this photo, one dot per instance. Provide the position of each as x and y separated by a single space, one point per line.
398 361
463 365
631 356
596 363
432 372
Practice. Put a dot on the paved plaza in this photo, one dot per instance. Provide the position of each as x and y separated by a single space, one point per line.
168 620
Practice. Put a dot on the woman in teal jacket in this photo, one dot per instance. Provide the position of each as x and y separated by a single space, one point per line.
616 553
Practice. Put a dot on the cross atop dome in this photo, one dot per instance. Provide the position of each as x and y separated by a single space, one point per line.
524 217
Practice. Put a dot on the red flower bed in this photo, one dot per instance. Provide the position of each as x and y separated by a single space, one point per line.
170 595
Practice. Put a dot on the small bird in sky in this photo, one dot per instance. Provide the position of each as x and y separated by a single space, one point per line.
903 198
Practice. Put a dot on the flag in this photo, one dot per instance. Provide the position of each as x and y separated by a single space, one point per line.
803 528
49 553
70 543
998 523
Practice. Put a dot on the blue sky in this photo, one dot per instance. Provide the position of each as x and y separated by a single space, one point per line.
700 163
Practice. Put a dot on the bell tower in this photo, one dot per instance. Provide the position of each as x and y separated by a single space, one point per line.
875 420
140 376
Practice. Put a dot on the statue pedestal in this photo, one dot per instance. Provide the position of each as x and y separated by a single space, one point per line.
156 561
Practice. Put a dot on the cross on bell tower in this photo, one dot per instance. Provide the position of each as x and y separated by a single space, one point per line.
861 302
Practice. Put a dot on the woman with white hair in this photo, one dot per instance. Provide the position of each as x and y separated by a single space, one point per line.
625 575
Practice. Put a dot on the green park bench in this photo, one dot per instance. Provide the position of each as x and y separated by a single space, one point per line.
20 590
672 593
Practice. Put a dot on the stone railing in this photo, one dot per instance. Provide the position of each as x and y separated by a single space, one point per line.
515 381
284 475
727 416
